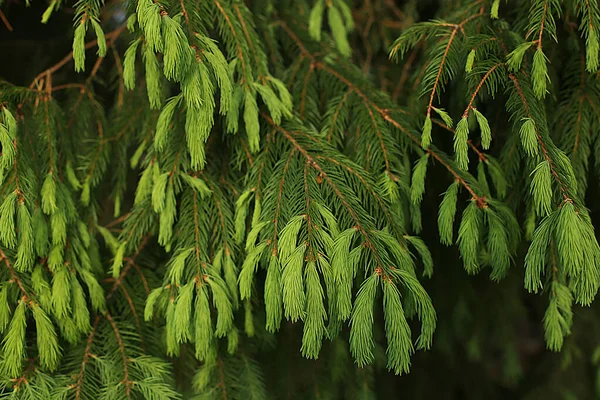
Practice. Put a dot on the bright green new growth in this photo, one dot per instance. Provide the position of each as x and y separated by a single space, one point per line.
222 182
339 18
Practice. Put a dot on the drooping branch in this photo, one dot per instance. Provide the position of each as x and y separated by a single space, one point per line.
385 114
69 57
14 277
313 162
545 154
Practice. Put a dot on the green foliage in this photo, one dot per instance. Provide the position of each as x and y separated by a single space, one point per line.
239 199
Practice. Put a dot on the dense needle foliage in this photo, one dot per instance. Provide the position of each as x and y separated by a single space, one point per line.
299 199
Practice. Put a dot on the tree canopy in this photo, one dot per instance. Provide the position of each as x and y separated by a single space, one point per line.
299 199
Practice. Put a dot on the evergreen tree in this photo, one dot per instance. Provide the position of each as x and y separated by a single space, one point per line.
299 199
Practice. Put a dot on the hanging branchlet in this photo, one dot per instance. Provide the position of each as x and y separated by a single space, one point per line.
340 21
589 13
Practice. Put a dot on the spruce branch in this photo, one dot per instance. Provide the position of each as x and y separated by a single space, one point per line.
15 278
126 381
542 23
440 69
363 180
378 131
118 283
336 115
227 18
220 213
478 88
563 189
69 57
245 29
290 137
222 385
480 200
305 89
385 113
280 200
480 154
78 385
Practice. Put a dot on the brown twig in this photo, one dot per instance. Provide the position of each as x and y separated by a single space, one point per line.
111 35
86 355
539 44
405 72
126 381
479 153
117 221
5 20
14 276
440 69
69 86
478 88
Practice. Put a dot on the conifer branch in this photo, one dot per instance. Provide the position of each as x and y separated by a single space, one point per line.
48 135
245 29
133 311
69 86
378 131
119 66
86 356
480 154
118 283
312 256
14 277
130 263
295 69
83 92
311 68
240 52
196 230
185 14
478 88
261 169
46 73
16 169
539 40
280 201
336 114
362 180
25 378
220 214
582 98
359 226
258 164
386 115
142 277
117 221
440 69
578 127
128 383
561 185
481 201
222 384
